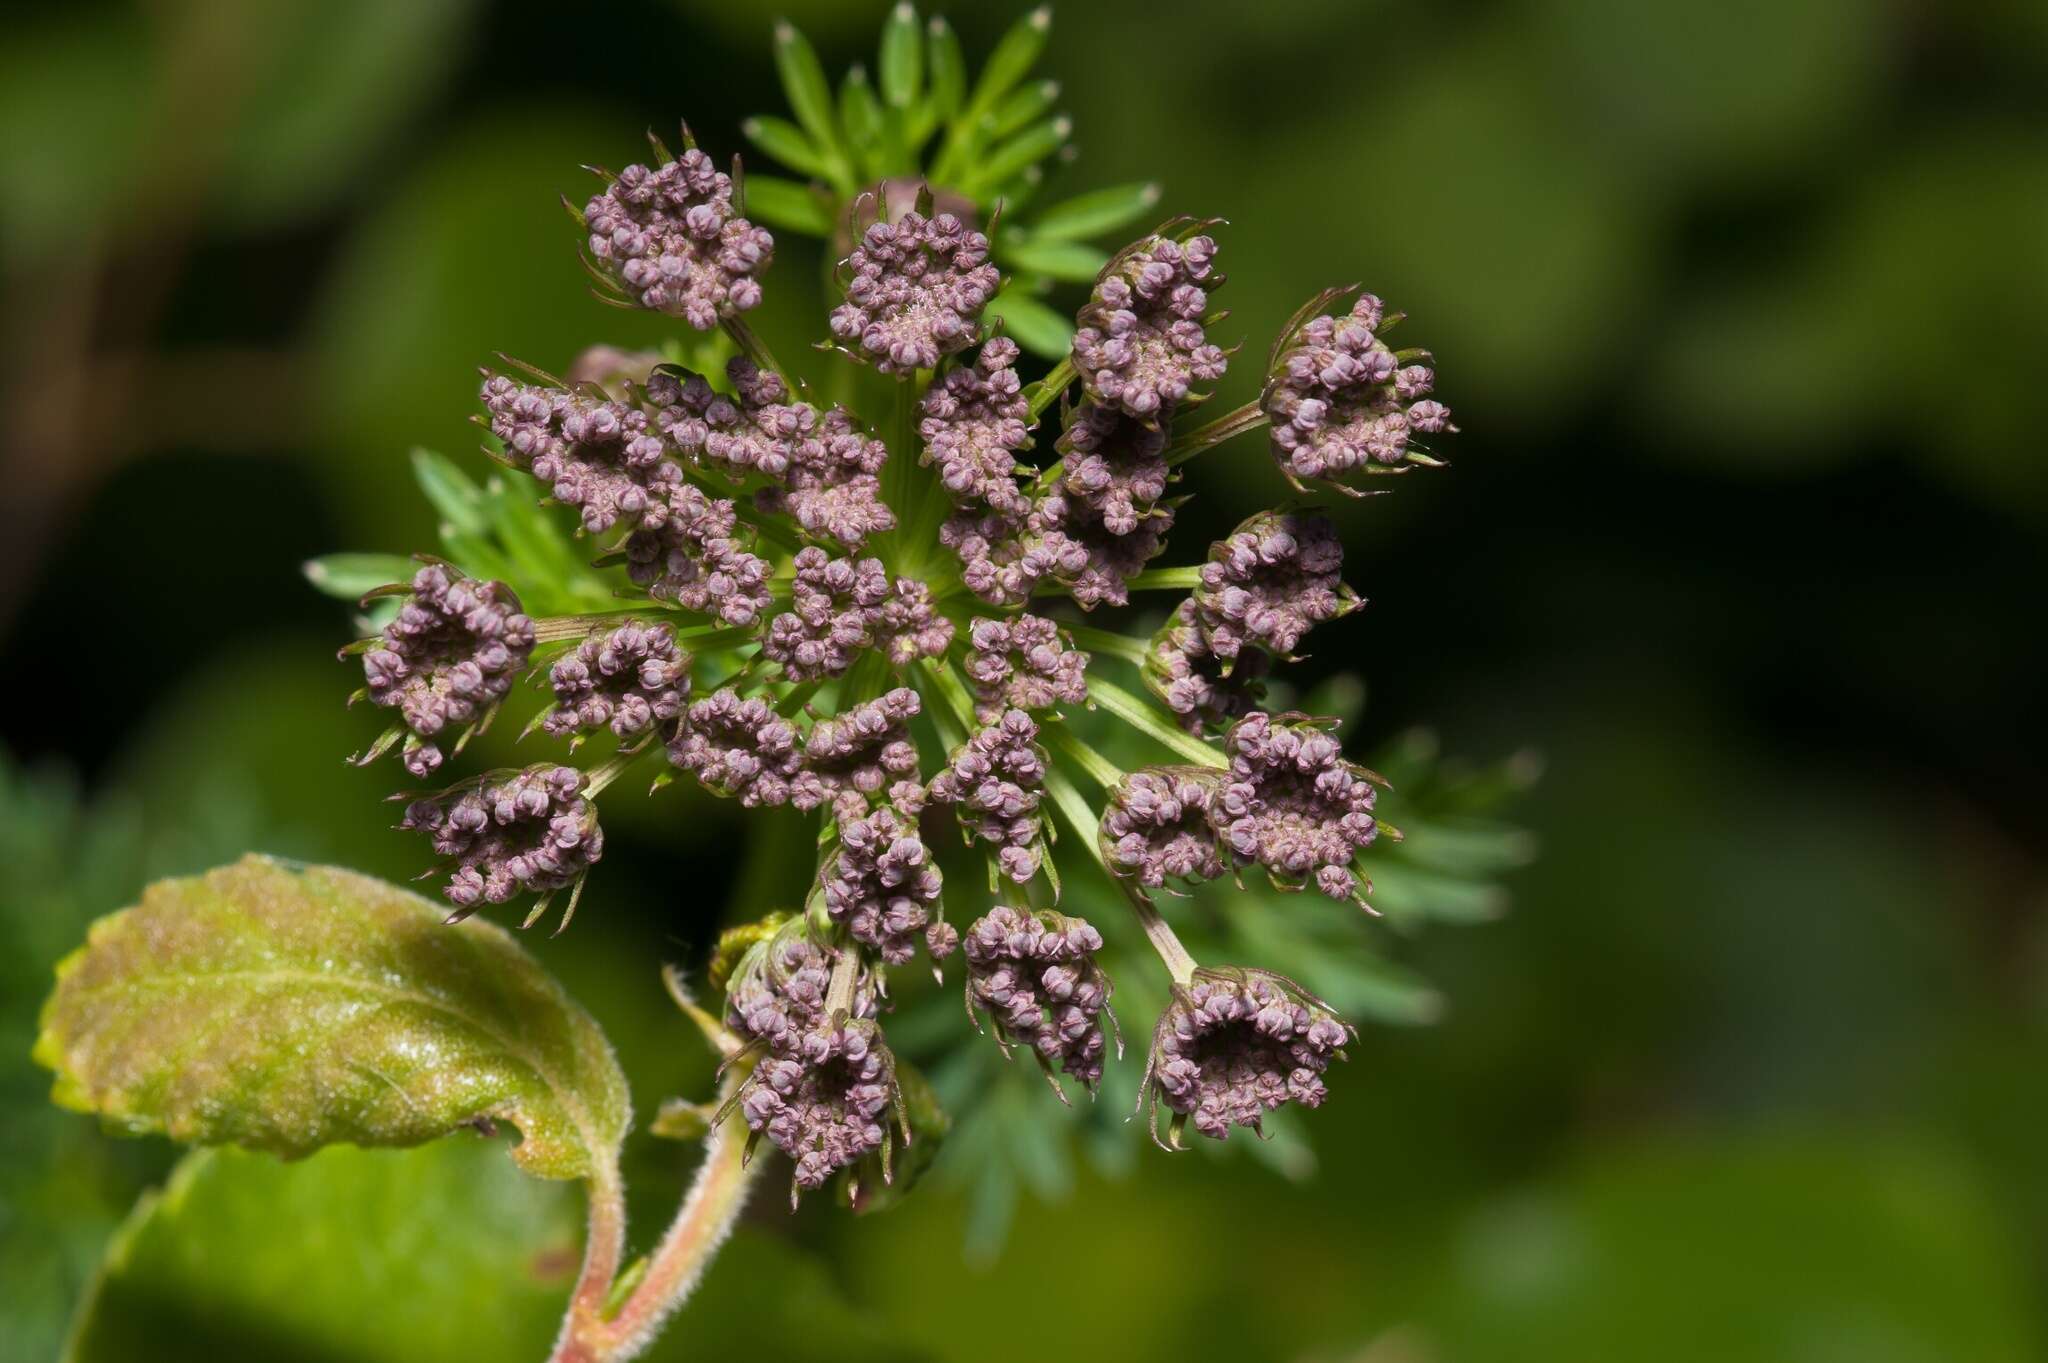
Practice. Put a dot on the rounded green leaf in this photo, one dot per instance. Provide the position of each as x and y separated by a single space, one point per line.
353 1255
284 1008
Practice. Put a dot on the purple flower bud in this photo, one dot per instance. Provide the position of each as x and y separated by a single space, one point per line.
1141 346
602 457
1184 672
995 783
627 680
1035 976
1292 803
915 289
1157 826
697 560
777 992
737 747
670 241
1269 582
1342 405
822 472
1235 1045
510 833
826 1087
1023 662
451 653
841 608
976 423
1113 464
1004 557
1109 558
882 884
859 752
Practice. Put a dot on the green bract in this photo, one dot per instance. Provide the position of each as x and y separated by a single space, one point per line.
984 147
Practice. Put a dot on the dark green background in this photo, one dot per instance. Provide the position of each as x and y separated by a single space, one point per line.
1741 308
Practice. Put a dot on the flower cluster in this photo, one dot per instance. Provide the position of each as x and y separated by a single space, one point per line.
1269 582
914 291
1237 1044
1035 976
823 1091
975 427
599 456
1022 662
1143 345
697 560
994 784
511 833
627 680
669 239
1205 690
448 656
880 637
1343 404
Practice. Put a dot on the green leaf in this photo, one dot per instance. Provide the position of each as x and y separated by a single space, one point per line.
787 204
1022 106
949 69
284 1008
860 114
901 65
1101 210
1024 150
348 576
1011 60
414 1257
787 143
1032 324
1072 261
810 98
458 500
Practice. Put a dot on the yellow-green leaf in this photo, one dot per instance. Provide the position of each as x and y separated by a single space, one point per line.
283 1008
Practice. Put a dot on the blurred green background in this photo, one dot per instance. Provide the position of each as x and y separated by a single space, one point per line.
1743 309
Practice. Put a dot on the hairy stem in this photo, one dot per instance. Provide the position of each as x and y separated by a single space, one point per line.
702 1223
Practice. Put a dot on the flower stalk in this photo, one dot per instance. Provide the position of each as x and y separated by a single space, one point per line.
716 1197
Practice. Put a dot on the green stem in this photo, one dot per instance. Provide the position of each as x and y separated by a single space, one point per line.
1187 577
1152 723
1179 963
1107 641
1206 437
1100 769
1048 389
954 693
755 349
550 629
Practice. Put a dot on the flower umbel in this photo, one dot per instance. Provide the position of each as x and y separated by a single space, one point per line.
887 617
